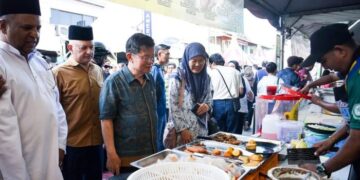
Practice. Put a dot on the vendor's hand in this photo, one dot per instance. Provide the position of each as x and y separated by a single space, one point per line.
61 157
2 86
186 136
315 99
311 167
305 90
203 108
323 147
113 163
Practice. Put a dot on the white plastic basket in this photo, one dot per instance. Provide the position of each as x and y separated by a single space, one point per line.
179 171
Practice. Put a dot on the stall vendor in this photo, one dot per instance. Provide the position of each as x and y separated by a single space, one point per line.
334 48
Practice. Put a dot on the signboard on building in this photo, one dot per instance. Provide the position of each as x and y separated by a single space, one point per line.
224 14
147 23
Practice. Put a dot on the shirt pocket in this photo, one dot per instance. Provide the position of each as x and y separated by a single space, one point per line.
128 101
75 89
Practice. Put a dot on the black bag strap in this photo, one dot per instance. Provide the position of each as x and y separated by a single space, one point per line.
243 82
225 83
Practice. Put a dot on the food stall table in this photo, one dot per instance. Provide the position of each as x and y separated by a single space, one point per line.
261 172
313 114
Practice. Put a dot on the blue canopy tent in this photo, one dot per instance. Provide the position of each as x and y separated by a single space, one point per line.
305 16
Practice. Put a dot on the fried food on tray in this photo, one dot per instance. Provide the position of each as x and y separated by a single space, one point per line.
251 145
227 154
233 141
244 159
256 157
236 152
187 151
230 149
172 158
196 149
230 139
252 163
190 158
216 152
251 141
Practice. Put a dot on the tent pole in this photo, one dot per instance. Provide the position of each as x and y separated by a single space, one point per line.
282 49
283 35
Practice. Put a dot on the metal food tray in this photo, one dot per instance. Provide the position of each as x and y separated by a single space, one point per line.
259 149
152 159
210 145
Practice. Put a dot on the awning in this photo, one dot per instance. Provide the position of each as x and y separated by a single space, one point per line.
305 16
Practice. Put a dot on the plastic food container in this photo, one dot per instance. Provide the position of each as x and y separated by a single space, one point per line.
273 104
288 130
270 126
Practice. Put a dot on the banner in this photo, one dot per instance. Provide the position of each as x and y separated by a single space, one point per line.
147 23
222 14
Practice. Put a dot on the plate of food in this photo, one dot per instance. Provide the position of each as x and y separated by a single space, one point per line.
251 144
320 128
231 153
291 173
226 138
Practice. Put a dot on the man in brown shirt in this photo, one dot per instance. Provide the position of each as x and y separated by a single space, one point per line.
79 83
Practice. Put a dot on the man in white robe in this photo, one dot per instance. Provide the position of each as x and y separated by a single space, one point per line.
29 146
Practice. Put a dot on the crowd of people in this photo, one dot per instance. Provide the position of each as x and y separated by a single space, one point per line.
57 122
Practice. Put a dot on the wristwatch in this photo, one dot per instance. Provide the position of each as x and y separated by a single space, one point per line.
322 170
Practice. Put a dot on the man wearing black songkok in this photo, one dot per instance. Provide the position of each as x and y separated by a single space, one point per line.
29 113
79 82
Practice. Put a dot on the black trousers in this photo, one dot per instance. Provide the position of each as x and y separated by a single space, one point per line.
125 172
250 112
83 163
242 119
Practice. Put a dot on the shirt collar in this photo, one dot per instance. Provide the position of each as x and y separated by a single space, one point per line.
157 64
72 62
130 77
34 54
356 55
7 47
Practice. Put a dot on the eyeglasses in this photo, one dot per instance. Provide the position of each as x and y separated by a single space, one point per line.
145 58
108 67
197 61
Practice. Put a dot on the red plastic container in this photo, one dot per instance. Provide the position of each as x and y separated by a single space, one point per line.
271 90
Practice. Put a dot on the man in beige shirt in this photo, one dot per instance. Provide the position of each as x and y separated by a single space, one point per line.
79 83
228 89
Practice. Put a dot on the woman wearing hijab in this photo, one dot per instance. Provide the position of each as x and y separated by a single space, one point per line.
190 95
